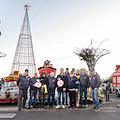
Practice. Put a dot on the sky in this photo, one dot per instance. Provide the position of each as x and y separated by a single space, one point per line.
58 27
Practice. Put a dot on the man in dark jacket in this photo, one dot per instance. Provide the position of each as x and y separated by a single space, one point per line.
95 83
51 85
23 84
61 88
84 87
73 85
33 90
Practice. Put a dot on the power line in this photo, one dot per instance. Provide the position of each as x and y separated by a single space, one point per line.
60 58
63 58
38 10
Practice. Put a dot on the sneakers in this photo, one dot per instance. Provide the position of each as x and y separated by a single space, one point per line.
63 106
58 107
97 109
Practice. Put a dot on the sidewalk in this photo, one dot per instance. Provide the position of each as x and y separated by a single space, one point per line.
112 104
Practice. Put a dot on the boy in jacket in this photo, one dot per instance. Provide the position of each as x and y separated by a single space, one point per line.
61 88
95 84
23 82
73 86
51 85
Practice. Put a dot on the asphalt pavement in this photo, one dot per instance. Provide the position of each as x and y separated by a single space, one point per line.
109 110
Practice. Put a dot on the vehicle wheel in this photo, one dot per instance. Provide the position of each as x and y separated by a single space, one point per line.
117 93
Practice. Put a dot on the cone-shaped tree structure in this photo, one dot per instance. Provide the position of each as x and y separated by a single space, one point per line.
24 54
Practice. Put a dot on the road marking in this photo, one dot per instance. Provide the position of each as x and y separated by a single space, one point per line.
8 115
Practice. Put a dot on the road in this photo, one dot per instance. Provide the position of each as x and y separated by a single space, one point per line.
109 110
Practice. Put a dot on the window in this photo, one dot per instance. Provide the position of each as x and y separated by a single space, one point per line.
118 79
114 79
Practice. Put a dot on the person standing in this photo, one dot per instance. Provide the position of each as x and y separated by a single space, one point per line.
95 84
67 72
23 82
73 85
61 88
77 74
84 87
66 92
43 80
2 81
51 85
33 90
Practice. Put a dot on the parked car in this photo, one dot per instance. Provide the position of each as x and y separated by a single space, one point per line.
117 91
101 95
9 92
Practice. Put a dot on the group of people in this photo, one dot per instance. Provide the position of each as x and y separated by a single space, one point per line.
69 87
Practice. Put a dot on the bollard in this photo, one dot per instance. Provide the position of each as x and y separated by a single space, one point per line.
107 93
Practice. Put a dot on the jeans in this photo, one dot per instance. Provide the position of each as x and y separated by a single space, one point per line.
51 93
83 89
72 95
95 97
59 97
22 98
33 93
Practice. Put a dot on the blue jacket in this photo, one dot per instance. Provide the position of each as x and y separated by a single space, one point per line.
73 83
84 80
23 82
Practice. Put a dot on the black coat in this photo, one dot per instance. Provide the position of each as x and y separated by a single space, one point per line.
44 80
51 83
65 80
23 82
32 82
